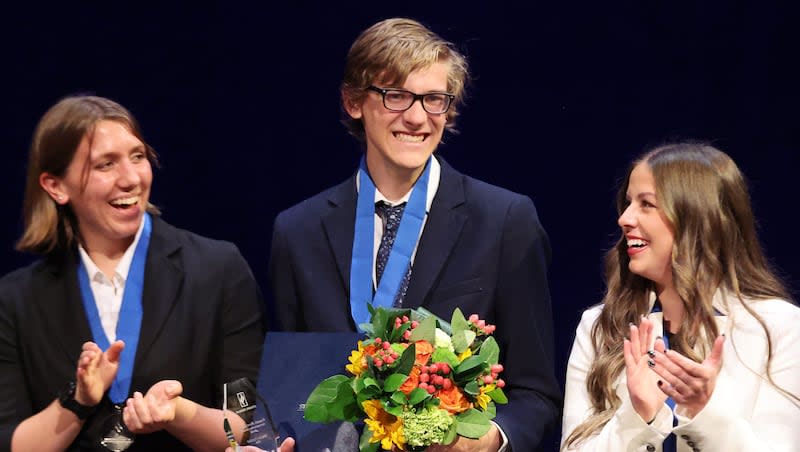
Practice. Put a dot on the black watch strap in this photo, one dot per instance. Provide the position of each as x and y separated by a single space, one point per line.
67 400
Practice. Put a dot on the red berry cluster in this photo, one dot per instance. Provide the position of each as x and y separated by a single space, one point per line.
435 377
481 324
400 321
384 353
492 378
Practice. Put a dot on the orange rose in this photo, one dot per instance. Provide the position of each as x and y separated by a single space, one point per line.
423 350
411 382
453 400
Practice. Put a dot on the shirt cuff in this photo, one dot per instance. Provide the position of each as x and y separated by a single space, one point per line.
504 447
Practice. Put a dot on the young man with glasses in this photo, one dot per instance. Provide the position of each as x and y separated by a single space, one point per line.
409 230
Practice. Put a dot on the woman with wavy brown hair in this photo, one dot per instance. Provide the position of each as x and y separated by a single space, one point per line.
692 347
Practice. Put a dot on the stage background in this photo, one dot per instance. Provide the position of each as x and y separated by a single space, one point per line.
241 102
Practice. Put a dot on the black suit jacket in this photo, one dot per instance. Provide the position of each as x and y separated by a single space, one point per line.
202 325
482 250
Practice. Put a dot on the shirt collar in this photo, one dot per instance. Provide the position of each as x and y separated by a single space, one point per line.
433 187
124 265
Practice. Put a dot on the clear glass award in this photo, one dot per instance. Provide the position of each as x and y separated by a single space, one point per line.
242 398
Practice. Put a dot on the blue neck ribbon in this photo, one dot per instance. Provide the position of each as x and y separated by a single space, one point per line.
364 243
130 314
670 442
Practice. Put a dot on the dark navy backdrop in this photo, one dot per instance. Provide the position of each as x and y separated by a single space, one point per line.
241 102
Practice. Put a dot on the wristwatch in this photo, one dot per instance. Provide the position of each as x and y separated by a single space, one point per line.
67 400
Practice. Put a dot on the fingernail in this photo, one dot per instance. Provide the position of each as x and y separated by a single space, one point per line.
723 334
651 363
660 383
652 353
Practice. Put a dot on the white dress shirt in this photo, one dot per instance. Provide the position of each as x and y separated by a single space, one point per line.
108 292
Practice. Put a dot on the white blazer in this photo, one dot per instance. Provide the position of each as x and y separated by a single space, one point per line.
745 412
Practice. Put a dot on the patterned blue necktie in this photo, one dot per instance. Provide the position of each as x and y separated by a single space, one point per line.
391 216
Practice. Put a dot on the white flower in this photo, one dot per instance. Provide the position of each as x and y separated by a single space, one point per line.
442 340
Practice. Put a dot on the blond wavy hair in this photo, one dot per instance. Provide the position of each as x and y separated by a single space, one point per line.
390 50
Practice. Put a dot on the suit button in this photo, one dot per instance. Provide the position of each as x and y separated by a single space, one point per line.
651 448
690 443
694 449
685 437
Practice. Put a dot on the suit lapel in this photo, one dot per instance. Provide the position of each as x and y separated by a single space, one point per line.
441 232
339 226
66 320
163 278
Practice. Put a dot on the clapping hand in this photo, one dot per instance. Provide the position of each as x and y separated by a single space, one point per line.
688 383
152 411
643 382
96 371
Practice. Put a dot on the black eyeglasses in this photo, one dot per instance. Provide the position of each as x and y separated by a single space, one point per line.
401 100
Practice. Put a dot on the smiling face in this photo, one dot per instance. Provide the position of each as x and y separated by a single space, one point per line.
649 237
107 184
400 143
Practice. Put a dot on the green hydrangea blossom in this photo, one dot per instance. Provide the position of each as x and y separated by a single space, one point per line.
425 427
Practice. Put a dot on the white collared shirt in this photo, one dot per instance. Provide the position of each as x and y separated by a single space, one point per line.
108 292
433 187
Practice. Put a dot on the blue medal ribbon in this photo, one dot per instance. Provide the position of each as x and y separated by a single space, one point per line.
130 314
364 243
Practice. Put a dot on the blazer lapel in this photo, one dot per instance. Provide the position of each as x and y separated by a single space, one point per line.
441 232
59 297
339 226
163 276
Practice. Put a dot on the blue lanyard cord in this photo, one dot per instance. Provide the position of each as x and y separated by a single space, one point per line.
130 314
363 245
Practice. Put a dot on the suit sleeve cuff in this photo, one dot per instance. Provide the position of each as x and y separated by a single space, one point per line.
504 446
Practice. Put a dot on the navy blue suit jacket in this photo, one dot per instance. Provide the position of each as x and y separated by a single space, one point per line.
483 250
202 325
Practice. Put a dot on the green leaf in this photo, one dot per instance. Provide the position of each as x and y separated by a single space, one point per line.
462 339
399 398
345 407
406 361
443 355
472 424
470 368
363 443
369 381
417 395
419 314
425 331
379 323
394 410
393 382
491 410
472 388
498 395
319 401
451 434
490 351
458 321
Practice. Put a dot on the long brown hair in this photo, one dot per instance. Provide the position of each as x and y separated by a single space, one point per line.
48 226
705 200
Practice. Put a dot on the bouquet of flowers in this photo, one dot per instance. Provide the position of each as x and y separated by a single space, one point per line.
416 381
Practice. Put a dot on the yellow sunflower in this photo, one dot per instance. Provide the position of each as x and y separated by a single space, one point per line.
483 398
385 427
357 361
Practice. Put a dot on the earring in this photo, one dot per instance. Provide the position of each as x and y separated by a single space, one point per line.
59 198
